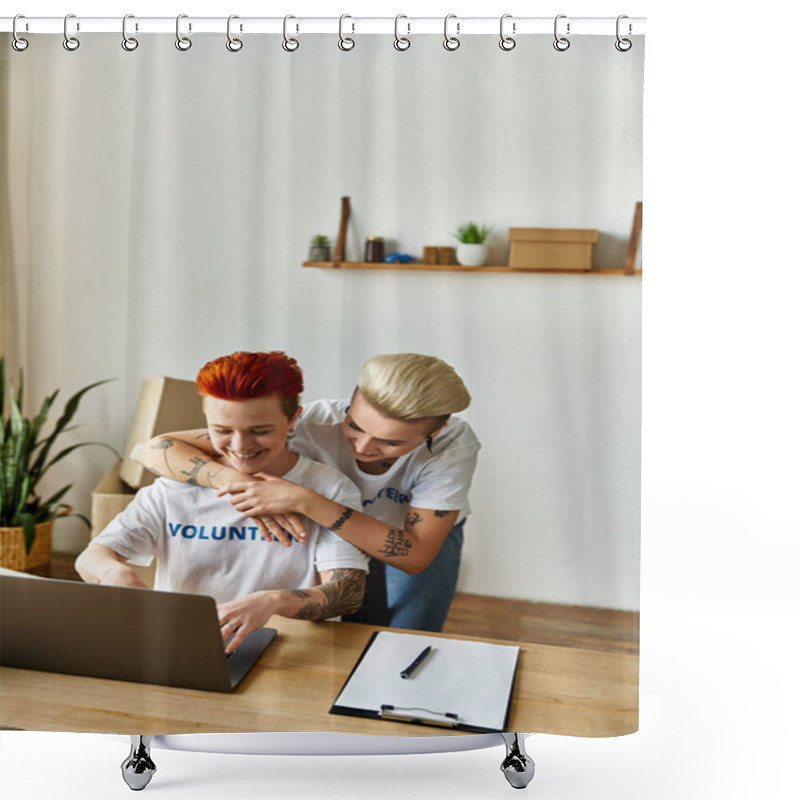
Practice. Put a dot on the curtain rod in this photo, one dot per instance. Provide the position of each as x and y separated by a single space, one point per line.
405 26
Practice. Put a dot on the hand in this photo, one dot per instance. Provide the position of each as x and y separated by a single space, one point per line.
268 497
239 618
280 526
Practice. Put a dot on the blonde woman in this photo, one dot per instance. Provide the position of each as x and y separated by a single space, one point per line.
412 461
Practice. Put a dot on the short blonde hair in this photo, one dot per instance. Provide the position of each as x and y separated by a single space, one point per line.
410 386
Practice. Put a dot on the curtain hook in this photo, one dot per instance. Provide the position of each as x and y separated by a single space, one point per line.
289 44
507 42
183 43
401 42
623 45
233 44
17 42
561 43
129 43
345 42
451 42
70 42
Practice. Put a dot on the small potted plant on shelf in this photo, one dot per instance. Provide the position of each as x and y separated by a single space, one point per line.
320 249
26 454
472 250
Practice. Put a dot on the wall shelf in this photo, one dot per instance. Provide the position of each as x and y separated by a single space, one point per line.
457 268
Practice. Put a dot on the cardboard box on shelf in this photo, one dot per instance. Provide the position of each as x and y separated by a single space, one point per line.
551 248
109 498
165 404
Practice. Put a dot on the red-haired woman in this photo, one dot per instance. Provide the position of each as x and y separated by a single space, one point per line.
205 545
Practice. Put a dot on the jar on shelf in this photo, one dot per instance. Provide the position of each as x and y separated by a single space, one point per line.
374 251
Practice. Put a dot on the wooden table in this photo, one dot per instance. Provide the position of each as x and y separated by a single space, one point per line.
560 690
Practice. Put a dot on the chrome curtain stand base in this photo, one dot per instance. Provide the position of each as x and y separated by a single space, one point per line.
138 768
517 766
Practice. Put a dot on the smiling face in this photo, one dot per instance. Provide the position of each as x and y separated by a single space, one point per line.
374 437
251 434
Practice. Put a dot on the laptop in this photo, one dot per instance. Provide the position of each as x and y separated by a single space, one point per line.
124 634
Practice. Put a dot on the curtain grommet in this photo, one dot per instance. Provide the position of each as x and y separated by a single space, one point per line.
17 42
289 44
401 43
346 43
71 43
622 44
561 43
507 43
451 43
129 43
183 43
233 44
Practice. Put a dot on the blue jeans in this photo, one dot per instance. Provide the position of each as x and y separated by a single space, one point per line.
421 602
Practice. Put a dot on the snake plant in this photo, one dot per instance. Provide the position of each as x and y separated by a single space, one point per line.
27 453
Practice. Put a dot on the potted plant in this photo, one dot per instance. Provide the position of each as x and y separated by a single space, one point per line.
320 249
472 250
26 454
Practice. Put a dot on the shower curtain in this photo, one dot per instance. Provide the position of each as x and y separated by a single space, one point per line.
158 205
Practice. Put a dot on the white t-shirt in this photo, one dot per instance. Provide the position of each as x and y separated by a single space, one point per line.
437 480
205 546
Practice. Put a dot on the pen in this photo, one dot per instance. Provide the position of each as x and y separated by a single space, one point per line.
412 667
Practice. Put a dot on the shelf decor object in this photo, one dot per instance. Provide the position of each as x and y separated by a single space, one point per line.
551 248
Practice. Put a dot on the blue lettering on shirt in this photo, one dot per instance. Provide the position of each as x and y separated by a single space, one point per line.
391 494
217 533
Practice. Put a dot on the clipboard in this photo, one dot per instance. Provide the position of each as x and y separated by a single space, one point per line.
464 685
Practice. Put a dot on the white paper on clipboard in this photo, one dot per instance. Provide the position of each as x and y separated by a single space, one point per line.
470 679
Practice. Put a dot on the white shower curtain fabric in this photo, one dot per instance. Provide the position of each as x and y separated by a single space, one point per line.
158 206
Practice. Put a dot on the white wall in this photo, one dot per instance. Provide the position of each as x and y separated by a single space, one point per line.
162 203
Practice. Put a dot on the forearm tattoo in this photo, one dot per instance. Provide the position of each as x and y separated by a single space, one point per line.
346 514
396 544
344 593
199 463
193 476
413 518
162 444
441 513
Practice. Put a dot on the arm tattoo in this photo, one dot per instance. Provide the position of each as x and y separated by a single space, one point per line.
441 513
162 444
396 544
344 593
203 437
199 463
346 514
303 594
413 518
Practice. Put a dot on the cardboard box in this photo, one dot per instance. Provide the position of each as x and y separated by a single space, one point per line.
551 248
109 498
164 405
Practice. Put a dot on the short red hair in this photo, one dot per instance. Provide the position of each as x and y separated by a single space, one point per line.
242 376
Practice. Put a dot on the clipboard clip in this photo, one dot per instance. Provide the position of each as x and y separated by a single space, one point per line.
423 715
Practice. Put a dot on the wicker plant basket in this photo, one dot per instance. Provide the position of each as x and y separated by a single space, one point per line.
12 549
